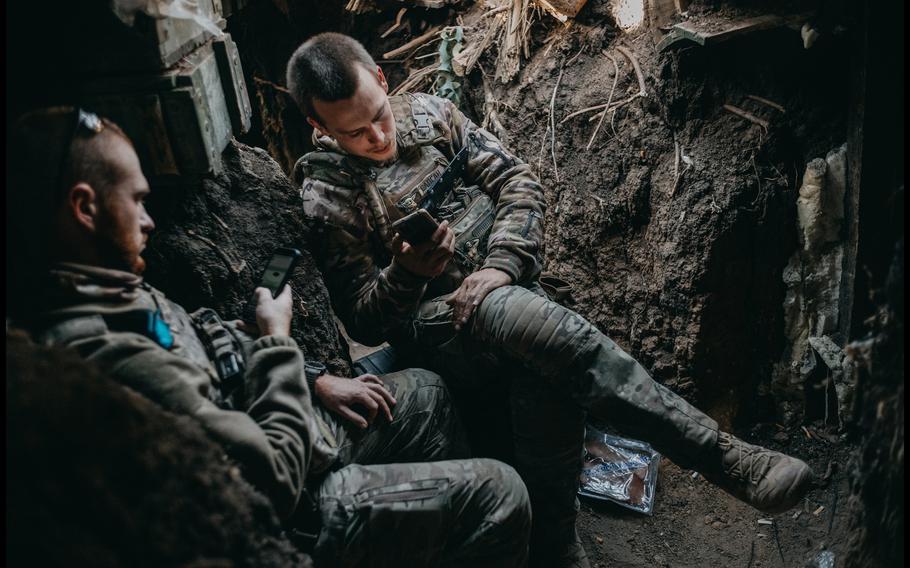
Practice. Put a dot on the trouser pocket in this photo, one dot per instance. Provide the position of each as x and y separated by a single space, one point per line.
406 524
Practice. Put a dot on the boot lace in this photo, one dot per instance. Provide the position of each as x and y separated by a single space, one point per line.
750 465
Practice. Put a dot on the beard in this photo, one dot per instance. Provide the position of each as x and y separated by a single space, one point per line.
120 254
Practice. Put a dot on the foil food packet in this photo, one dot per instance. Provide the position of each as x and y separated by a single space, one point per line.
619 470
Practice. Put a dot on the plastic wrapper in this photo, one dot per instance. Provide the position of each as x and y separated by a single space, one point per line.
620 470
824 559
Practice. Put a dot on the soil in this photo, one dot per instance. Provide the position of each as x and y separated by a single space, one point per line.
686 275
687 280
140 487
213 239
696 524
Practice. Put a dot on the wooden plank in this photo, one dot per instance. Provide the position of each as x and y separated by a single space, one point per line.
232 83
187 130
568 8
179 120
710 32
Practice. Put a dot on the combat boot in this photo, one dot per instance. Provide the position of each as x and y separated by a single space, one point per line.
574 555
770 481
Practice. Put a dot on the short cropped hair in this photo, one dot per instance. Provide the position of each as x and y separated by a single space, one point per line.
48 153
325 68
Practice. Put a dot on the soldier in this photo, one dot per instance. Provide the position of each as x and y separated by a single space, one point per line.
468 302
76 196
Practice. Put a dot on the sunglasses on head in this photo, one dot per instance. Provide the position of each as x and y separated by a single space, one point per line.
86 124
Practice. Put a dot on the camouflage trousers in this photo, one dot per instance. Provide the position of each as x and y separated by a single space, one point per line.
557 367
379 511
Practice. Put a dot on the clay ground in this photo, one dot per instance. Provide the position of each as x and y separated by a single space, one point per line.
696 524
686 275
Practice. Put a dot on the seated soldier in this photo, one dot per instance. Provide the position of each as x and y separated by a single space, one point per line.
76 196
467 302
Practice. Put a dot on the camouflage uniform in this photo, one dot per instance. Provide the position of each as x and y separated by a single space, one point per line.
465 511
559 365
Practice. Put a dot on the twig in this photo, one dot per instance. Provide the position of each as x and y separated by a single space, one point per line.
676 153
767 102
833 508
552 10
493 11
221 222
553 125
224 256
414 79
747 115
780 549
397 23
642 92
275 86
514 42
609 100
574 57
414 43
751 555
582 111
491 34
615 106
680 177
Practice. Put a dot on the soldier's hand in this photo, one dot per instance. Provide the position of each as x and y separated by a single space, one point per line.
341 395
273 315
473 290
427 259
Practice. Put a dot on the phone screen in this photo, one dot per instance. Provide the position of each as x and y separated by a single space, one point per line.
274 274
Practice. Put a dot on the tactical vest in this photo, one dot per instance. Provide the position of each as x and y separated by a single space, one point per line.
391 192
200 337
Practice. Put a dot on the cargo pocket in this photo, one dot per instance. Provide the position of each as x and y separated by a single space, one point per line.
433 325
406 523
472 233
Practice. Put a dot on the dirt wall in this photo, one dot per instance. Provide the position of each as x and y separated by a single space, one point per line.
684 273
214 237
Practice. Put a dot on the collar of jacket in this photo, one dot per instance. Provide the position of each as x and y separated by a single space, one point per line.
70 285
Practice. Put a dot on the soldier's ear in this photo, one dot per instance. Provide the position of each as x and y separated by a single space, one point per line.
382 82
82 204
317 127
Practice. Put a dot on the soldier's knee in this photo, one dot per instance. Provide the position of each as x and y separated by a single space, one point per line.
425 378
427 388
505 492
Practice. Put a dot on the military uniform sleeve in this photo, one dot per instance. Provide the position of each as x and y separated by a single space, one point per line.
272 442
516 239
370 301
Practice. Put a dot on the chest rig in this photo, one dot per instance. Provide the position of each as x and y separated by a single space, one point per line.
426 150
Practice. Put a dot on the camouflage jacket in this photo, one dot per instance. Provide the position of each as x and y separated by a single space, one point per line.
275 438
496 213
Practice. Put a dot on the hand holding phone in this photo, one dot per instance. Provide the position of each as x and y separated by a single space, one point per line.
416 227
273 315
275 277
429 258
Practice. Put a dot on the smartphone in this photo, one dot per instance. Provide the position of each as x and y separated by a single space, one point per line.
275 276
416 227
